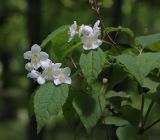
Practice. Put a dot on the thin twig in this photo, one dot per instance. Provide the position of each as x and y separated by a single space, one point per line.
96 7
74 64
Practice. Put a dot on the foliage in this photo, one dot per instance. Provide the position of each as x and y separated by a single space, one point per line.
92 100
99 93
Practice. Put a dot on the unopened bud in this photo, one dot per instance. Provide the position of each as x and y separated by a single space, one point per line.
105 80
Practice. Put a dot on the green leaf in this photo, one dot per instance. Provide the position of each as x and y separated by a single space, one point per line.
48 101
150 84
120 29
154 96
149 39
112 94
116 98
92 63
127 112
59 42
117 75
140 66
89 108
68 110
59 36
117 121
127 133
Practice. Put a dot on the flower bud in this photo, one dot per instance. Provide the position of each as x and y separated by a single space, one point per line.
104 80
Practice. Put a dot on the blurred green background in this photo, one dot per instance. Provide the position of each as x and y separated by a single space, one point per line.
26 22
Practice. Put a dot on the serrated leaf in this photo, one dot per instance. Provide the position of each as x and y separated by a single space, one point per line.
127 133
48 101
92 63
149 39
140 66
89 108
117 121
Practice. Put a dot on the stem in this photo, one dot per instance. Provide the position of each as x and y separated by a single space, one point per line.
96 8
74 64
147 113
141 112
112 111
150 126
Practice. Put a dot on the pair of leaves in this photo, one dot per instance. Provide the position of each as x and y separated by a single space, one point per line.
140 66
91 64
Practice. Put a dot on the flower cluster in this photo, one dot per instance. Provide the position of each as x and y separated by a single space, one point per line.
50 71
89 36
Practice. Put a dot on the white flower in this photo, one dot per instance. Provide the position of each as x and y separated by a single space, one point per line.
63 76
91 42
89 36
85 30
36 76
72 30
36 56
51 71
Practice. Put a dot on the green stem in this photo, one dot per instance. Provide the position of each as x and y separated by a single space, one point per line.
141 112
147 113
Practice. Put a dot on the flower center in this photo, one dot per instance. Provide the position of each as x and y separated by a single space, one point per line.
35 56
62 77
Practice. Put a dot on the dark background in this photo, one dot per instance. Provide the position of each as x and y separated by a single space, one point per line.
26 22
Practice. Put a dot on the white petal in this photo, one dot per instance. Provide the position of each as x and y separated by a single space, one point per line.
33 74
68 80
56 65
29 66
72 30
96 24
40 80
35 64
35 48
96 44
43 56
85 30
85 47
66 71
57 81
45 63
56 73
28 55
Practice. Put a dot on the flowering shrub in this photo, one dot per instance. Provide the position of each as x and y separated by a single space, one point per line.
105 78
